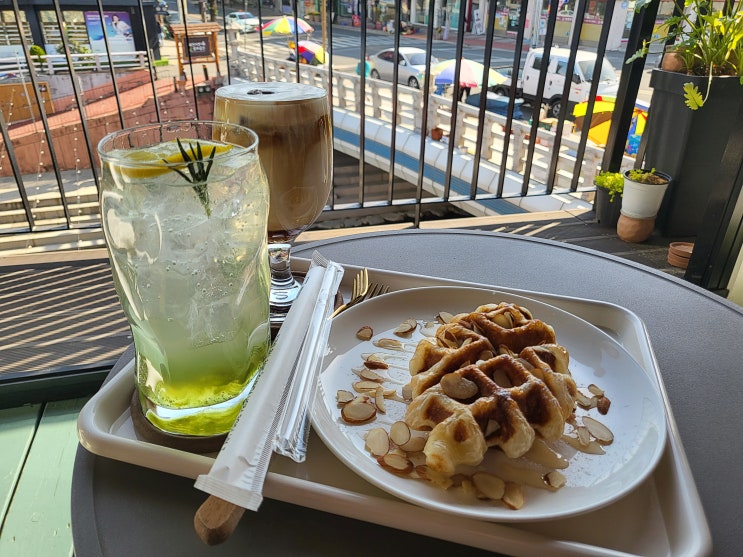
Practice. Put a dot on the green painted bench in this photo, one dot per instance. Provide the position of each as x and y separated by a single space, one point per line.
37 451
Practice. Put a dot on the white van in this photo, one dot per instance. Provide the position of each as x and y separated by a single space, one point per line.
526 84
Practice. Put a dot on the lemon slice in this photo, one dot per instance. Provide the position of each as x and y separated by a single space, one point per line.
135 165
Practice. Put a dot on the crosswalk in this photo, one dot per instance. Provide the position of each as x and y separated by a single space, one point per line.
349 41
346 46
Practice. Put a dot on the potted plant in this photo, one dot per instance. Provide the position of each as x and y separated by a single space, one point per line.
609 187
641 198
696 106
704 42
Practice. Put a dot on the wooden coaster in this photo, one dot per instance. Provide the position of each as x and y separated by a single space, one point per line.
190 443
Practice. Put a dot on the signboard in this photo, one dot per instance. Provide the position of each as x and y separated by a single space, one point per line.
117 27
514 14
197 48
477 25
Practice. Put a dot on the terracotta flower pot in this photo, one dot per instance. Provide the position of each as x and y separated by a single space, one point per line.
437 133
634 230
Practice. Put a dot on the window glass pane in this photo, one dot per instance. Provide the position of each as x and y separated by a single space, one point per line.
74 25
10 38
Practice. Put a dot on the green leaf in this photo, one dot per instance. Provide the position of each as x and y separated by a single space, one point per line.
641 53
694 99
640 4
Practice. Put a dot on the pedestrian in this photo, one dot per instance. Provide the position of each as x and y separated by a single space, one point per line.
367 67
160 34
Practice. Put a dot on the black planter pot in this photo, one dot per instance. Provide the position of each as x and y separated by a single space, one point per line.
607 212
689 145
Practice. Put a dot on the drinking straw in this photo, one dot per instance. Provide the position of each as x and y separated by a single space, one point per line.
240 468
294 429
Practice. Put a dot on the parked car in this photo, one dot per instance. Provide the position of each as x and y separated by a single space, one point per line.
528 78
246 21
498 104
411 63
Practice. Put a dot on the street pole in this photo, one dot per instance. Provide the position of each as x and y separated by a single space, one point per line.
323 16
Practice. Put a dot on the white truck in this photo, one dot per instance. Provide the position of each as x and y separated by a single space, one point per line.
528 78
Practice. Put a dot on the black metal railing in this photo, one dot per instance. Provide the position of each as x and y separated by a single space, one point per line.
54 140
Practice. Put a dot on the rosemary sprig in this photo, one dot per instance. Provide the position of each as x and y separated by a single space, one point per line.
198 170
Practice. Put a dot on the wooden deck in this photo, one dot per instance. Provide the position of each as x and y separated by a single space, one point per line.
62 327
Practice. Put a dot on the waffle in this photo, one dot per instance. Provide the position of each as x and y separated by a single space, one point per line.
491 378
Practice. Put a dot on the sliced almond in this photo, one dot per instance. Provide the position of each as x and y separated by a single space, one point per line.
489 485
458 387
595 390
592 448
396 463
468 487
429 328
344 397
406 327
513 497
555 479
485 355
502 379
584 436
407 392
491 427
388 343
585 402
359 411
377 442
376 361
603 404
365 333
518 474
600 432
379 400
389 393
370 375
400 433
505 320
444 317
415 444
365 386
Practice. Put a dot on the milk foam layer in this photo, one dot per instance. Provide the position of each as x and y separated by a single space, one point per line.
275 104
295 147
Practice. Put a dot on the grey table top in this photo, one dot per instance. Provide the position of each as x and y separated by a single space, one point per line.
119 509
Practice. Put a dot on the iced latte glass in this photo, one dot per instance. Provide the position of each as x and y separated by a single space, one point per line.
184 208
293 123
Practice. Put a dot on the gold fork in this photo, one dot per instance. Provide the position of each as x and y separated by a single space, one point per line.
358 291
375 289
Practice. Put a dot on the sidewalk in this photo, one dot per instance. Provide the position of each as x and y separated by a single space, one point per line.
421 34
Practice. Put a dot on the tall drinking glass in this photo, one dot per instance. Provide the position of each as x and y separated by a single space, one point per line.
184 208
292 121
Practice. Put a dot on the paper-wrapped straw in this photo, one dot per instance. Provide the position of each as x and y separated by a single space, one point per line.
294 428
239 470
